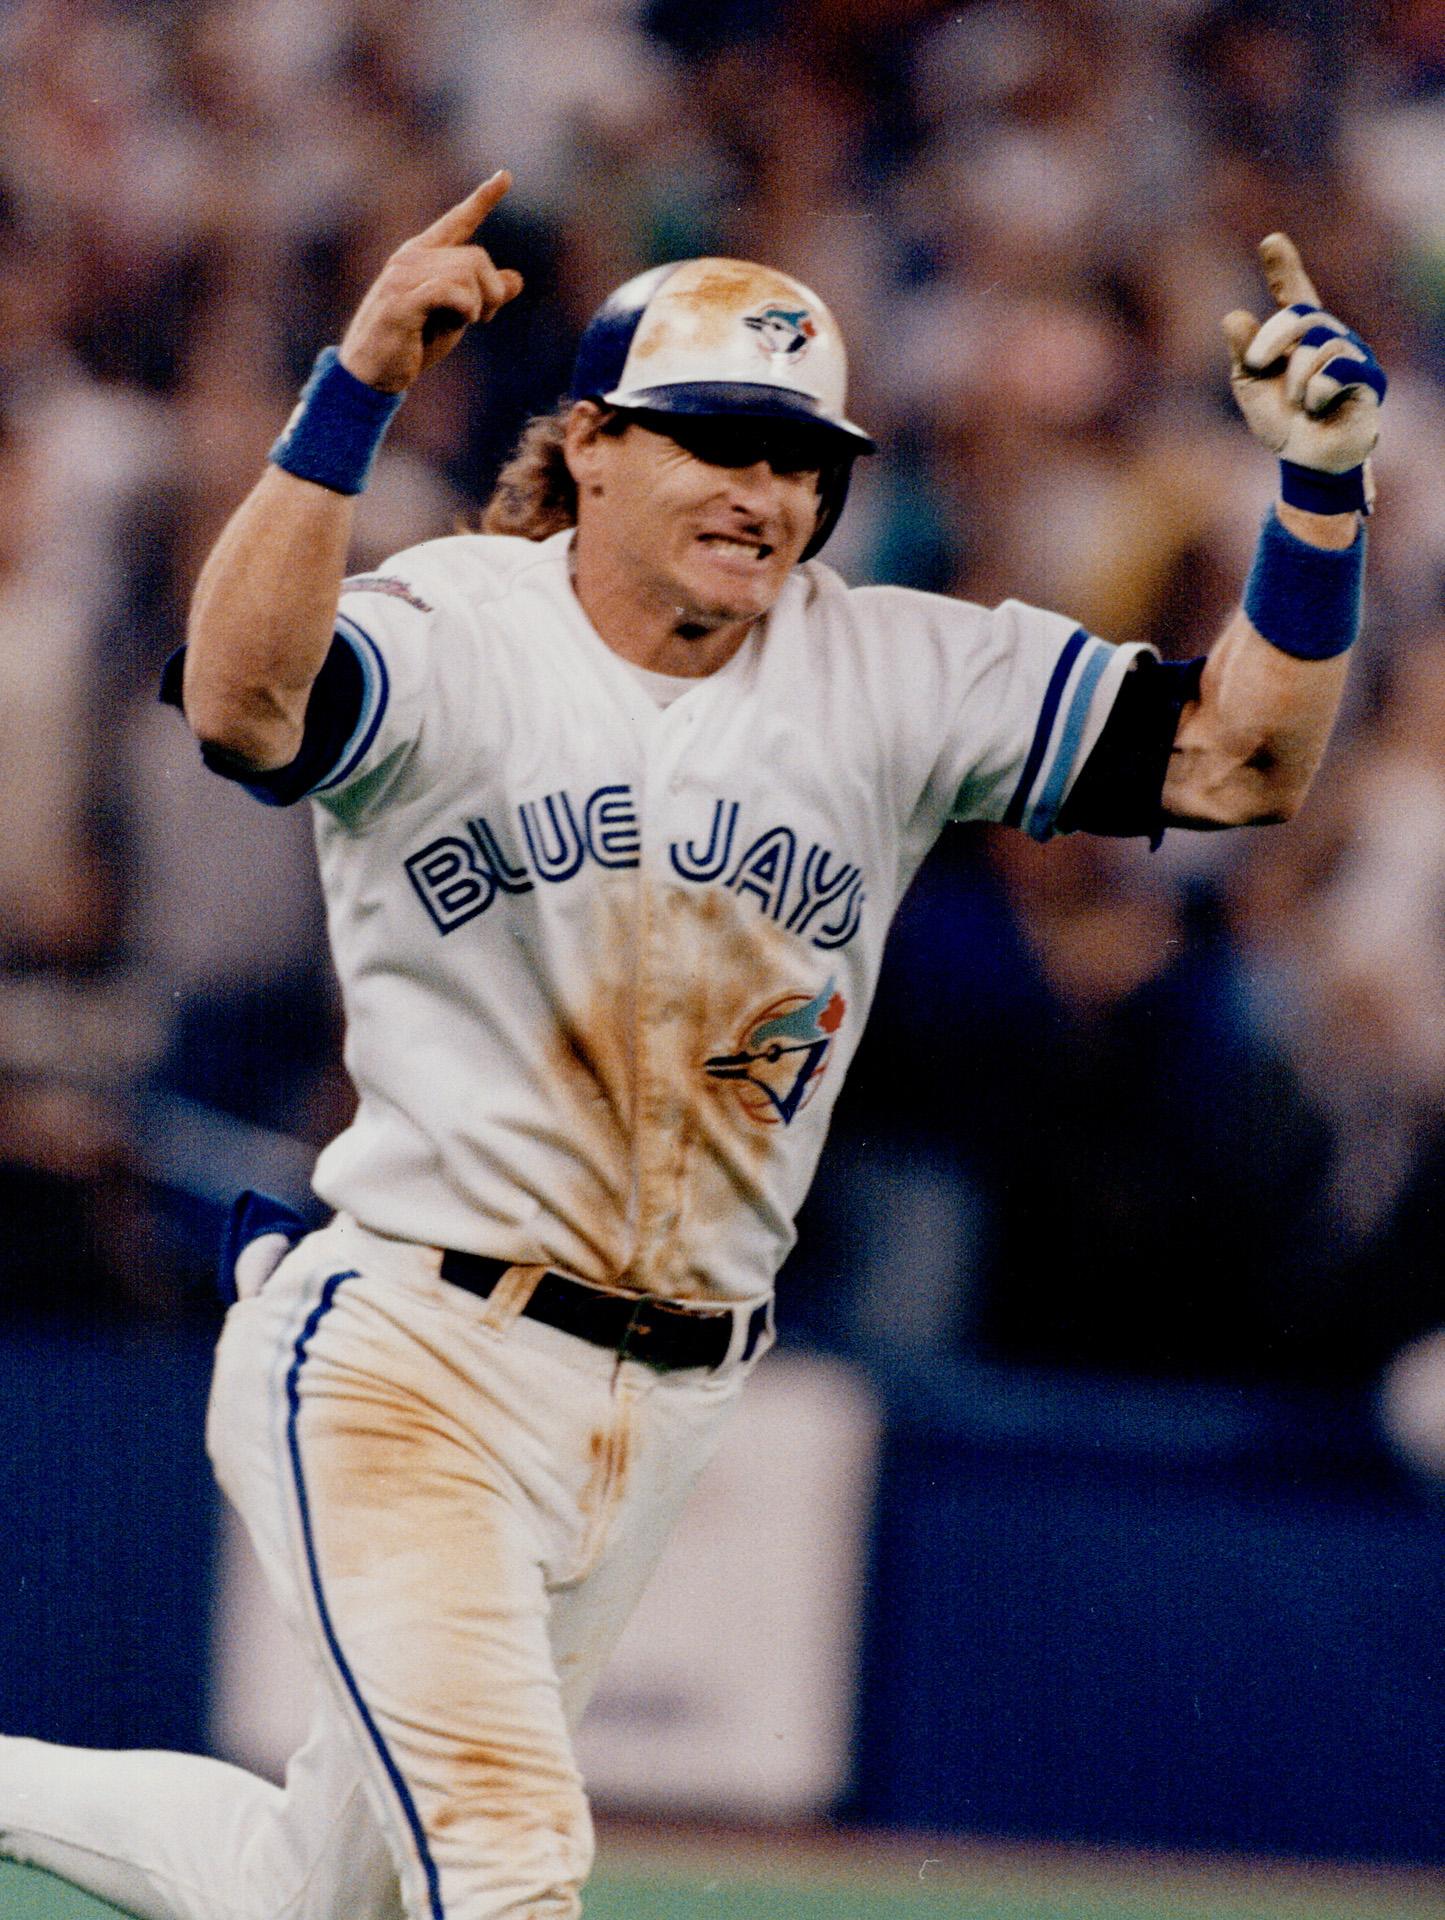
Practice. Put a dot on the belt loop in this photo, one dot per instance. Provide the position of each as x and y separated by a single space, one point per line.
747 1331
760 1329
508 1299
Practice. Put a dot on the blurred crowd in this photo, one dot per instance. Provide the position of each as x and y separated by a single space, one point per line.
1178 1113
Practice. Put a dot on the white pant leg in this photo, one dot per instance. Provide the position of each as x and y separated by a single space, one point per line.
410 1563
679 1420
172 1836
456 1509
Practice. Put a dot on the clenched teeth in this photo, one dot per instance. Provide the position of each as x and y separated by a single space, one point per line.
758 548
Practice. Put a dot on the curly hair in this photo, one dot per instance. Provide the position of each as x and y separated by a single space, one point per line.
535 495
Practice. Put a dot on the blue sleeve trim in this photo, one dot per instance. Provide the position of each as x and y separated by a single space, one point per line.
1063 667
1120 787
342 717
347 703
376 697
1041 821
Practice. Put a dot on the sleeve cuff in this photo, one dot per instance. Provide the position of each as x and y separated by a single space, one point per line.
343 714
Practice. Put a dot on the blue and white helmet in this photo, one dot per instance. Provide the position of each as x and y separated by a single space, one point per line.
716 337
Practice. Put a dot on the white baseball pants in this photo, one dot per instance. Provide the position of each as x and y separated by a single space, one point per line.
457 1509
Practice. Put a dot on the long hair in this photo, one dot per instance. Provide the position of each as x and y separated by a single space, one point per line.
535 496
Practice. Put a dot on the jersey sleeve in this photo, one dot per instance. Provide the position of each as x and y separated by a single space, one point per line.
1120 787
1039 691
368 705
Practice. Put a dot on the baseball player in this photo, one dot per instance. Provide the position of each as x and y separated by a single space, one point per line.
614 802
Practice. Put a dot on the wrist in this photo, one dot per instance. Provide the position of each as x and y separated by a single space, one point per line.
1323 493
1302 597
354 360
1332 530
337 428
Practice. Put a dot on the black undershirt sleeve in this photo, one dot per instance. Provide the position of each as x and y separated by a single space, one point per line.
1119 789
332 711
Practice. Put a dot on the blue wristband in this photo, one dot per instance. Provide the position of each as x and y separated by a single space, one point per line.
1305 600
336 429
1323 492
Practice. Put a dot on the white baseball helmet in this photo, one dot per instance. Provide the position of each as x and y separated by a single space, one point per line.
714 337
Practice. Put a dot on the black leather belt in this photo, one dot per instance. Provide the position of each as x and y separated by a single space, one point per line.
663 1334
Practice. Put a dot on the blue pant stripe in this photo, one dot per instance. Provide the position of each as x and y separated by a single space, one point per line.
293 1441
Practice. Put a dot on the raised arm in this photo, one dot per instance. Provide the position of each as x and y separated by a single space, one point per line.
264 606
1247 749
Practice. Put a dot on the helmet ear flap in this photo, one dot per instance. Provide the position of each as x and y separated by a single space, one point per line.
832 494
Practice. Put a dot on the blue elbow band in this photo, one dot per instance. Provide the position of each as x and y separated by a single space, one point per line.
1305 600
337 427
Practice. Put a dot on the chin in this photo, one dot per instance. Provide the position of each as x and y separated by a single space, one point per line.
717 602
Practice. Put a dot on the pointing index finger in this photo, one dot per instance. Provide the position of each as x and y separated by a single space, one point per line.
457 225
1284 271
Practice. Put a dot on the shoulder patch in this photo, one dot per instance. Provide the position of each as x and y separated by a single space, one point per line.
386 583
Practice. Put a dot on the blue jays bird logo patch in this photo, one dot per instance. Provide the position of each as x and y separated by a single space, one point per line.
783 332
780 1055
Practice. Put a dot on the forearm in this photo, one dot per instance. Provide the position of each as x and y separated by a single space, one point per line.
1247 750
264 607
262 617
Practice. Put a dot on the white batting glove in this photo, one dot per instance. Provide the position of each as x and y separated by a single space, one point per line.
1307 385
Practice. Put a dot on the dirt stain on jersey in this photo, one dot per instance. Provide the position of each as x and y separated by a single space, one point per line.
674 979
592 1059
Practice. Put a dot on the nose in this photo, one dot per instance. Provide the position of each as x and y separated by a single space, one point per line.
753 484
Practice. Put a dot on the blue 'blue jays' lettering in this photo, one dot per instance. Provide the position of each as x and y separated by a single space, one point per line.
458 875
556 854
693 865
509 878
765 869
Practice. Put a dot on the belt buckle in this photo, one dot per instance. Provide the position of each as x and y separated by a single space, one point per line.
637 1329
650 1314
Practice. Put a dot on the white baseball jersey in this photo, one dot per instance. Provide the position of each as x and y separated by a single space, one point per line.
604 964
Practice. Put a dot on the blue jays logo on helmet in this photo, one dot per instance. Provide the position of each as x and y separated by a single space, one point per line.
781 1054
714 336
781 330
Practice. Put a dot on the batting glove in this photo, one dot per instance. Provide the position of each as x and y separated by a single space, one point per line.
1307 385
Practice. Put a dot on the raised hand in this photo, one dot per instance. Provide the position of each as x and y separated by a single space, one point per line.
435 286
1308 386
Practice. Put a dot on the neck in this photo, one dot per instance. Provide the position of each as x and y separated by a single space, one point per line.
651 631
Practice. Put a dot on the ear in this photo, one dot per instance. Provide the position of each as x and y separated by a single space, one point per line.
583 444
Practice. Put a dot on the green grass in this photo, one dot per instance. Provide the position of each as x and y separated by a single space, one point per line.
35 1896
719 1893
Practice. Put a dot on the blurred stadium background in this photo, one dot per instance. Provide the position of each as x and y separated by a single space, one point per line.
1090 1515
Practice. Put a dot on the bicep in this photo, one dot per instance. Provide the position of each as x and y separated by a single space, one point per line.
362 717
